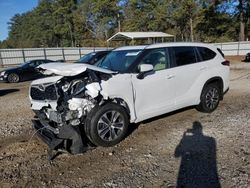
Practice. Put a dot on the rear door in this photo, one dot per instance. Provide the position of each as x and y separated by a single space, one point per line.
186 71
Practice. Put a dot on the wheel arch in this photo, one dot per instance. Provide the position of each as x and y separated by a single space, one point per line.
121 102
13 72
215 80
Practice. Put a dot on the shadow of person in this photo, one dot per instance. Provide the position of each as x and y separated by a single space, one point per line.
198 168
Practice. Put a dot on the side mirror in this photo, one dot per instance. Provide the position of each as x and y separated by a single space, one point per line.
144 68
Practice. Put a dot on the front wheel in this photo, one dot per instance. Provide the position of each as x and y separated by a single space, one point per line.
107 125
210 98
13 78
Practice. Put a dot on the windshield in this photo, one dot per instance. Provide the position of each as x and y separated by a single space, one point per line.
86 58
118 60
26 64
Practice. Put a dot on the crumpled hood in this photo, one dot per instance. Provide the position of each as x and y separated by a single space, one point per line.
70 69
51 79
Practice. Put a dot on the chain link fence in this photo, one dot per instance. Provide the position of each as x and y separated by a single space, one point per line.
17 56
234 48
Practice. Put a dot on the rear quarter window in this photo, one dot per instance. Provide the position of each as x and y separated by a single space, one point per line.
206 54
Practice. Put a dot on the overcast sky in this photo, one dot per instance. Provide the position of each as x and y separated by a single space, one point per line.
8 8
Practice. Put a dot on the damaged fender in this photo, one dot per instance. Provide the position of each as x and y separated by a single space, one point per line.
61 103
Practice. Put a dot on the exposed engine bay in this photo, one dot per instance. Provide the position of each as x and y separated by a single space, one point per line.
62 104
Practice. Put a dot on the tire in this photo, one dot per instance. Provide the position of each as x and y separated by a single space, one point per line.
107 125
13 78
210 98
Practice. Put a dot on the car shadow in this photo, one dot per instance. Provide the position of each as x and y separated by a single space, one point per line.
7 91
167 114
134 126
198 167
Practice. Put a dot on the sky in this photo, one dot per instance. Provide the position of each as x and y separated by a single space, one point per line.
8 8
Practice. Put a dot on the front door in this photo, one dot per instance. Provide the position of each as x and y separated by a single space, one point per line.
155 93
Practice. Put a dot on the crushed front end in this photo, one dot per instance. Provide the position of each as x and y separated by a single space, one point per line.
61 105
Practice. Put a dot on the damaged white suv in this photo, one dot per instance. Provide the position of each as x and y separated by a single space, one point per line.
83 105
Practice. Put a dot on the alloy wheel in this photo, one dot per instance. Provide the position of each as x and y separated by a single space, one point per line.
212 98
110 125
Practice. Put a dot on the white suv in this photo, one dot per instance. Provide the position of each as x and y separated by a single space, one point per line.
85 104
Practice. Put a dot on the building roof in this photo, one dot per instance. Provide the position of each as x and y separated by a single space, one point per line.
138 35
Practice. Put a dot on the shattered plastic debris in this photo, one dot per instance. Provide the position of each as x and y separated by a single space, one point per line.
93 89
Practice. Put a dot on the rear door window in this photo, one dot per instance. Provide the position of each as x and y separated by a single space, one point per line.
184 55
206 54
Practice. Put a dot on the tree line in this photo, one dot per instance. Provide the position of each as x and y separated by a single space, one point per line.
64 23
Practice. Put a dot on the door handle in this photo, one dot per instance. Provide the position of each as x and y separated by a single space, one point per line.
170 76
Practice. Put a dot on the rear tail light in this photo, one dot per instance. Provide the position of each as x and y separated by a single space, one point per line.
226 63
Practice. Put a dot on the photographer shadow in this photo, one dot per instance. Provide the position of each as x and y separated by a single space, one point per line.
198 166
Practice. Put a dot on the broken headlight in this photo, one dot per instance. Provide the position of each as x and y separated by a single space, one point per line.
66 86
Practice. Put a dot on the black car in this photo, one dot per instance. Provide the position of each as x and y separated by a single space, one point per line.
247 58
25 71
93 57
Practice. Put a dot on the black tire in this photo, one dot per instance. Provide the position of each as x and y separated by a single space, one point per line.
107 125
13 78
210 98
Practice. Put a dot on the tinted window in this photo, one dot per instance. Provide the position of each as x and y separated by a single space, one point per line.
100 56
184 55
34 63
206 54
86 58
157 58
39 62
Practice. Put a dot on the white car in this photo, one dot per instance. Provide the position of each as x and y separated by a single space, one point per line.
84 105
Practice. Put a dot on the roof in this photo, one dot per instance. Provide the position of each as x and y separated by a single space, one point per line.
138 35
176 44
130 48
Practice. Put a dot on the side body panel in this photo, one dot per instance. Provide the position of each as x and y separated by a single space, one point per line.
203 72
120 86
154 95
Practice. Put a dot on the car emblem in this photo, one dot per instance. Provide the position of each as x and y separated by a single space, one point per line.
41 87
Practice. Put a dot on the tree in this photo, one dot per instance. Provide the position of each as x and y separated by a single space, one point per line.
214 24
90 22
184 14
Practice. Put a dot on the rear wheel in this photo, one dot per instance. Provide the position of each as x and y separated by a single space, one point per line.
13 78
210 98
107 125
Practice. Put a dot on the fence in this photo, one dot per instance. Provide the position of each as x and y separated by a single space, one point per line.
18 56
234 48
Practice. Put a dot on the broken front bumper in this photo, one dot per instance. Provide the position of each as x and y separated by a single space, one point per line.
66 137
47 135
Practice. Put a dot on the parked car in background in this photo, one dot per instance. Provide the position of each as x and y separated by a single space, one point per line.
93 57
247 58
25 71
84 104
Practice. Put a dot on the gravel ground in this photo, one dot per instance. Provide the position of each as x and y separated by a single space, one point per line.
181 148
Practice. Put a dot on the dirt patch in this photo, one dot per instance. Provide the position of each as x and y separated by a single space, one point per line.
235 59
184 147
